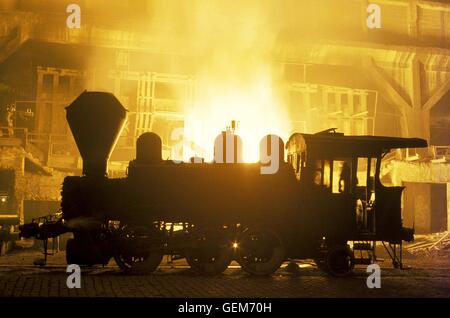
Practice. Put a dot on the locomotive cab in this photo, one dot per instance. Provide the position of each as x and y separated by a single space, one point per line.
340 185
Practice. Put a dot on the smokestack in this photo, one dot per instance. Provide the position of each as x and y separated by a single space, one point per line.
96 120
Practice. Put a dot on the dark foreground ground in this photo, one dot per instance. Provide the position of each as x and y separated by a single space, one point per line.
429 277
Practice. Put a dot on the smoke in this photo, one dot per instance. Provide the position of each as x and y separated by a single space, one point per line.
231 49
233 43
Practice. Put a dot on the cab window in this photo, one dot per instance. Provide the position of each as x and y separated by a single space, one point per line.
365 193
342 176
365 176
322 173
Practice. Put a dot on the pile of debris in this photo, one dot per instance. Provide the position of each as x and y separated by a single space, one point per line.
432 245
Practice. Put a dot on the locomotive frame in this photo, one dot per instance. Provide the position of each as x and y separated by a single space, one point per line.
326 202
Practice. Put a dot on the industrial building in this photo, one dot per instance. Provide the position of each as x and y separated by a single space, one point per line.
196 65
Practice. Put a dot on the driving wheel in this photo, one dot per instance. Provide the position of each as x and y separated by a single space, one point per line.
138 250
210 252
260 251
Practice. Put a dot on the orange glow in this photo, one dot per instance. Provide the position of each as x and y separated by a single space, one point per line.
230 49
251 101
236 77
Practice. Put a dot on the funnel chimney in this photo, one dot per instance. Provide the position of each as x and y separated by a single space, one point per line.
96 120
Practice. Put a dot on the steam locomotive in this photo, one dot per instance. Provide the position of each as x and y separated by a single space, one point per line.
326 202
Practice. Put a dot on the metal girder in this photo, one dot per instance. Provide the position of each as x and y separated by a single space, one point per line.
383 84
439 93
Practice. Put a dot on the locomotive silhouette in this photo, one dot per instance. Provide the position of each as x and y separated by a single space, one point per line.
326 202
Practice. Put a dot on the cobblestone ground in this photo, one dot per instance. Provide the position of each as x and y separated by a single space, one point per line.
19 277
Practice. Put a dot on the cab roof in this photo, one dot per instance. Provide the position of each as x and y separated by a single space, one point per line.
330 143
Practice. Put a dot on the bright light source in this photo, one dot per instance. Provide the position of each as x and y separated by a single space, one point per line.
251 100
235 245
3 199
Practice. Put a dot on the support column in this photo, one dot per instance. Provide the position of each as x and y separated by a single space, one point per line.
418 121
417 117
